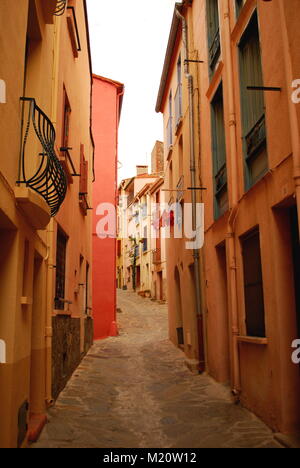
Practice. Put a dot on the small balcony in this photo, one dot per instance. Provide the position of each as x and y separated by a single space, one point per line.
137 251
40 170
53 8
214 50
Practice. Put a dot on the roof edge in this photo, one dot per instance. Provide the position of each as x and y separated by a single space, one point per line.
169 55
118 84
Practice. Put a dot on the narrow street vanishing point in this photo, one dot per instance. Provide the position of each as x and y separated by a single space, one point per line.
134 391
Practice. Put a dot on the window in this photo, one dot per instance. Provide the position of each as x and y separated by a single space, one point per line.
219 154
253 110
253 285
180 155
61 250
238 6
66 121
178 95
214 48
144 210
145 239
169 124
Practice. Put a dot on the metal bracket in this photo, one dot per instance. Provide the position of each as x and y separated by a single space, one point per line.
263 88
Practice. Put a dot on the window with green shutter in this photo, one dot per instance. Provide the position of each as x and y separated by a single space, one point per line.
253 106
213 31
253 285
219 153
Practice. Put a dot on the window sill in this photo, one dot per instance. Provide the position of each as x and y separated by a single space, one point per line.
253 340
62 312
73 31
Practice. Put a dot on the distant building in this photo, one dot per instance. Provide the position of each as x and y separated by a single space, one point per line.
140 256
157 211
107 105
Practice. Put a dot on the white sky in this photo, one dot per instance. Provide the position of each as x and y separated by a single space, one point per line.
128 42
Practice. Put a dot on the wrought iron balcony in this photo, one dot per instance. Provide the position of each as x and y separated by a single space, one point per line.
130 198
42 173
256 138
60 7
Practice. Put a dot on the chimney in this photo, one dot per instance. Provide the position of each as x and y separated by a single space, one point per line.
141 170
157 158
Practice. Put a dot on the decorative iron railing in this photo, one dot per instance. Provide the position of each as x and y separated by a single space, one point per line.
44 175
130 198
256 138
60 7
214 50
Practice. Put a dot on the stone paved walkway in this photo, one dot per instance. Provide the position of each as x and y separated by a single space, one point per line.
134 391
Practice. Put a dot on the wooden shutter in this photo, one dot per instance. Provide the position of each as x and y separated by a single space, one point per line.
213 20
251 75
219 154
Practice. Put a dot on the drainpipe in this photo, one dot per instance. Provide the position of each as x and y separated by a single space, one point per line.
190 80
292 107
233 307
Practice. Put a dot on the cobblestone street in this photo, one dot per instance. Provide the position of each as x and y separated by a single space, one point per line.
135 391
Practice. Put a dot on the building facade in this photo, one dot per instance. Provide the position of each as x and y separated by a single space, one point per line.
141 246
158 238
107 105
242 64
46 142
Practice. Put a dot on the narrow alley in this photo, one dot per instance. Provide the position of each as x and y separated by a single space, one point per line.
134 391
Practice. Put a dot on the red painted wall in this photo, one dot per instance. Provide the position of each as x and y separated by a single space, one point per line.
107 99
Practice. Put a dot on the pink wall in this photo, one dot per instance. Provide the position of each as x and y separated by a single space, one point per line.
106 105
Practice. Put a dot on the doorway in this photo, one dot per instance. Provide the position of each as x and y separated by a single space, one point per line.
138 277
160 286
296 260
37 356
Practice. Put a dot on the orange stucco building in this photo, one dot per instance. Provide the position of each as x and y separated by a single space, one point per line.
228 93
46 170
